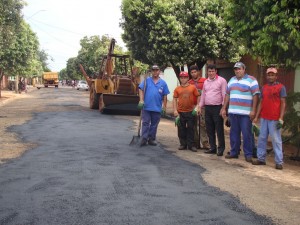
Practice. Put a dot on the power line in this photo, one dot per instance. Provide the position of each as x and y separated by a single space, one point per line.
60 28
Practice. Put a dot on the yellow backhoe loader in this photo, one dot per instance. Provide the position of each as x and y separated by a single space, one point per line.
115 89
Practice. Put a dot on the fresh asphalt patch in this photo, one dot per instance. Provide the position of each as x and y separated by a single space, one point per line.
83 171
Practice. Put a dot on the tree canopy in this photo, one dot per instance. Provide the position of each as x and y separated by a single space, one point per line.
19 45
176 32
270 29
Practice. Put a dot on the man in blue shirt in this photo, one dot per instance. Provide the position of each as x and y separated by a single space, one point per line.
153 102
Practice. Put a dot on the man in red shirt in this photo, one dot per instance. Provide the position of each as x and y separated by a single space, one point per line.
198 82
271 111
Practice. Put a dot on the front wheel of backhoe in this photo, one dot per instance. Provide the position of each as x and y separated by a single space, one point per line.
94 98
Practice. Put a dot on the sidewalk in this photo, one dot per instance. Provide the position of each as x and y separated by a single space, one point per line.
8 95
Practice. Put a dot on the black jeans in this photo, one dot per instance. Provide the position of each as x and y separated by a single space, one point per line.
214 123
186 129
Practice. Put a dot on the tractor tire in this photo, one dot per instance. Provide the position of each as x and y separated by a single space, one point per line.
94 98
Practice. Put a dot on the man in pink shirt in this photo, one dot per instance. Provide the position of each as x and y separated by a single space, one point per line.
212 98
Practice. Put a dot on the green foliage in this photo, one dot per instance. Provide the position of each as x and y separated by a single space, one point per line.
292 117
19 46
268 28
92 50
176 32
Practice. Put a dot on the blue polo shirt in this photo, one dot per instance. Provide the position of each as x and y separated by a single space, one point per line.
154 94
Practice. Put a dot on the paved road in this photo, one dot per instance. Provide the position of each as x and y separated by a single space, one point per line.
84 172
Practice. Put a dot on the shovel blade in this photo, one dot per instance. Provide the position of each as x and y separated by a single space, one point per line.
135 140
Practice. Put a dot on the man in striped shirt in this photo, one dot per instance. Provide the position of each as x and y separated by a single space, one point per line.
242 97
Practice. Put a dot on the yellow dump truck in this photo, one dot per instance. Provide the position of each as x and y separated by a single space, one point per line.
50 79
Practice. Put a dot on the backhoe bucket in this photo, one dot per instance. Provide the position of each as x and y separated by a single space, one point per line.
119 104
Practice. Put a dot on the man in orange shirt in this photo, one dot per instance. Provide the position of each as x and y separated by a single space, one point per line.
184 110
198 82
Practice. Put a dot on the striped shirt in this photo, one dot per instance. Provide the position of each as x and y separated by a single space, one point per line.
241 94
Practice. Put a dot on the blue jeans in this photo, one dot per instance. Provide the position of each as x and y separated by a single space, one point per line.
268 127
150 123
241 123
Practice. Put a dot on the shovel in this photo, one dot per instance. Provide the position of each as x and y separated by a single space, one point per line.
136 139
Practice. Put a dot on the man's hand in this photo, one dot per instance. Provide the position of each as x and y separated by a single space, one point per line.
163 111
141 105
252 115
199 111
177 121
223 113
279 125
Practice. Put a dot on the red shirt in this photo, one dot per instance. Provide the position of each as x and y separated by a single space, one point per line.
198 84
271 96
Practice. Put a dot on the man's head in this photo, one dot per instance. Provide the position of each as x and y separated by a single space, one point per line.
155 71
184 77
272 74
194 71
211 71
239 69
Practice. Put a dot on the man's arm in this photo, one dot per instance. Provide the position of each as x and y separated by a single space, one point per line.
165 102
282 107
225 105
254 106
175 106
141 94
258 112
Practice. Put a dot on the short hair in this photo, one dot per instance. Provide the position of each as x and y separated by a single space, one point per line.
194 67
211 66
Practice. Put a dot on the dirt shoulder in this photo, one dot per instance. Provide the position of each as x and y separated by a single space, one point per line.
267 191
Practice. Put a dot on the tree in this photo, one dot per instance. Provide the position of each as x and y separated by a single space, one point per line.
176 32
92 50
269 29
10 21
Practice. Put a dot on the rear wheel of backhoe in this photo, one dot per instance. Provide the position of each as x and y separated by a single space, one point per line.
94 98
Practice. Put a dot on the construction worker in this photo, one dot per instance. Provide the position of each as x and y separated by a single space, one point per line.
185 111
153 102
198 81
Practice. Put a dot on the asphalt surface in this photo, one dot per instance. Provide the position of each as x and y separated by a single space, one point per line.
83 171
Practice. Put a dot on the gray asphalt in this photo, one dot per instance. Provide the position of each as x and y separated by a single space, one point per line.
84 172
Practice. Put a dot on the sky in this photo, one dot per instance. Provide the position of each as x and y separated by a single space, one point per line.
60 24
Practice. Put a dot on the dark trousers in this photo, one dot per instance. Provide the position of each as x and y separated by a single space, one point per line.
215 124
186 129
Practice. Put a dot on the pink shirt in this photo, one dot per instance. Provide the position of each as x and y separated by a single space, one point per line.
213 92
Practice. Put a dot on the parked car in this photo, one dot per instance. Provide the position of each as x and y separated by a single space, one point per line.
82 85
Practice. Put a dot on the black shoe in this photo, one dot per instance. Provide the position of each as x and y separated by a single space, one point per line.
182 147
152 142
278 167
248 159
219 153
143 142
210 152
231 156
257 162
193 149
